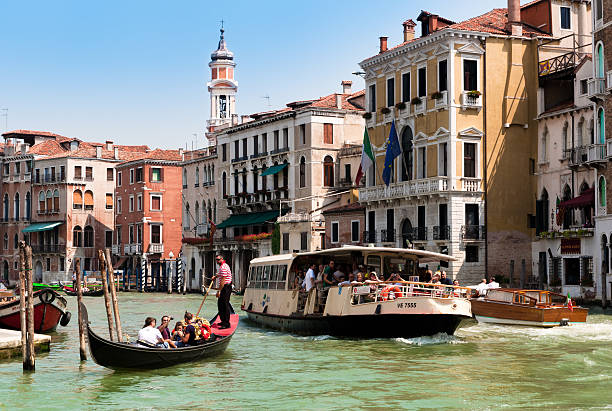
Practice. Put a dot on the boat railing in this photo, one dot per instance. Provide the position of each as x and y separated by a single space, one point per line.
526 297
393 290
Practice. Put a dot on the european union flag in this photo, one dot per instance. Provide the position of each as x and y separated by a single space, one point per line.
393 150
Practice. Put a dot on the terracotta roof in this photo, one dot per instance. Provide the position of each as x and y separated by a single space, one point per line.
330 102
33 133
345 208
157 154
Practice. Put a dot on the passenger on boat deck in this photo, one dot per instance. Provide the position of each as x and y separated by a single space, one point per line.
396 277
435 279
328 277
456 282
2 286
339 274
351 280
444 279
493 283
482 287
297 281
310 278
373 278
319 280
189 334
149 334
358 278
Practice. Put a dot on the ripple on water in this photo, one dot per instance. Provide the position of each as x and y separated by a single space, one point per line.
439 338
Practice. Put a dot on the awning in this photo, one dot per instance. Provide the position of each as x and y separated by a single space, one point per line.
36 227
240 220
585 199
274 169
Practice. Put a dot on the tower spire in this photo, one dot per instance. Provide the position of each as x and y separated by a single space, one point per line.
222 86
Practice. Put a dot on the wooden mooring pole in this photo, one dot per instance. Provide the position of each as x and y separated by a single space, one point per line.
22 304
29 363
109 315
113 291
79 290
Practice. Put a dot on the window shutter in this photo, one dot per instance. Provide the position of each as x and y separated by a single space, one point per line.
89 201
150 173
161 174
109 200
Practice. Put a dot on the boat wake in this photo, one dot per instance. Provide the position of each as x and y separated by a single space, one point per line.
439 338
595 331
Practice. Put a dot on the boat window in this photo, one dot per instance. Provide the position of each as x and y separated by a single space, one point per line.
272 283
258 276
265 277
250 277
282 277
374 261
403 266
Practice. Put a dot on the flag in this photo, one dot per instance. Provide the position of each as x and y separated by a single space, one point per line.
569 302
393 150
367 157
212 230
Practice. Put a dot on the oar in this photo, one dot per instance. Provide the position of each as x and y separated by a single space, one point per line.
206 295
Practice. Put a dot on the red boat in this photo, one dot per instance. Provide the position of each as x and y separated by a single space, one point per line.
49 310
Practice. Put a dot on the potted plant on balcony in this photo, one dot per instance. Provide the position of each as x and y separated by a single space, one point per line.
385 110
416 101
400 106
367 115
437 95
474 93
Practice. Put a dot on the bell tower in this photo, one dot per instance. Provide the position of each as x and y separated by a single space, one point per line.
222 86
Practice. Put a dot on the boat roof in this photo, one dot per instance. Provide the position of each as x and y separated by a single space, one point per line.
422 255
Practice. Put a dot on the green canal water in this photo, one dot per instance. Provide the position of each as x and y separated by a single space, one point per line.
482 366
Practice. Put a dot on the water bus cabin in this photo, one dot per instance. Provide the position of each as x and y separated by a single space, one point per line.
526 307
370 309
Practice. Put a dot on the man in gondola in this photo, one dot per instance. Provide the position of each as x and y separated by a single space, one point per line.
224 291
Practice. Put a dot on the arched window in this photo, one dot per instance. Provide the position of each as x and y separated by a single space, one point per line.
88 238
302 172
49 198
605 253
580 133
185 178
599 68
264 179
601 123
544 146
209 211
244 180
214 210
56 200
591 132
204 214
224 184
6 241
5 205
544 210
89 200
564 136
212 173
77 237
197 213
41 201
186 217
77 199
16 206
285 175
602 191
255 179
28 206
275 177
16 241
328 171
197 177
567 213
407 233
407 156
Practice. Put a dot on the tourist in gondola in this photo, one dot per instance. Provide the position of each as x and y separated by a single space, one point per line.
189 333
148 334
163 328
225 291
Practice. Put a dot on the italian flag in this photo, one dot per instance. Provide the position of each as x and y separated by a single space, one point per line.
367 157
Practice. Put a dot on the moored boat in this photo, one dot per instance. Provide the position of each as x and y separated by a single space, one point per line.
49 310
89 292
526 307
382 309
119 355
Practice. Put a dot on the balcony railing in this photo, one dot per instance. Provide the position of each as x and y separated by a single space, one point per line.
387 236
156 248
470 184
258 155
116 249
609 80
369 236
473 232
588 154
420 107
470 100
441 232
239 159
48 248
404 189
135 248
419 234
442 101
596 87
279 150
126 249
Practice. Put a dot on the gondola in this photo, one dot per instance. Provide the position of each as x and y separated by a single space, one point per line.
91 292
123 355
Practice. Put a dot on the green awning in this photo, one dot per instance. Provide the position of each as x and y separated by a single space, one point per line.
240 220
274 169
36 227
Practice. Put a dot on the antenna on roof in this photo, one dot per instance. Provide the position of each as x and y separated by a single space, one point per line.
267 97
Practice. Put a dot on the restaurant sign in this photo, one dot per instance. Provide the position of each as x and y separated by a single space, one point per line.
570 246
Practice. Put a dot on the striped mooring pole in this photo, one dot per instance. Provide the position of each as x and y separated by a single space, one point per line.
143 273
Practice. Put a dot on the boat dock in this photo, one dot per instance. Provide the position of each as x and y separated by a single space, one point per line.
10 343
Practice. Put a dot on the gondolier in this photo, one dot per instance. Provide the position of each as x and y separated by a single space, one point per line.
224 291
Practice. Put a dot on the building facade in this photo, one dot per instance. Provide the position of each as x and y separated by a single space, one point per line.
344 225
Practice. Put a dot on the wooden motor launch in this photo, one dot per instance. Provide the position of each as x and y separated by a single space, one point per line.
526 307
383 309
49 310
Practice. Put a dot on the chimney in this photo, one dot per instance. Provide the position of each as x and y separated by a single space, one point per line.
98 151
338 101
383 44
514 18
109 145
346 86
116 153
181 153
409 26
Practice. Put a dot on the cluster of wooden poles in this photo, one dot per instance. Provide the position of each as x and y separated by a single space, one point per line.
26 306
110 298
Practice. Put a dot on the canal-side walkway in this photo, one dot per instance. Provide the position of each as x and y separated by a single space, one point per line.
10 343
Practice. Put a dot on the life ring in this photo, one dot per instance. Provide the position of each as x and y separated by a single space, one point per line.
65 319
46 296
205 331
390 292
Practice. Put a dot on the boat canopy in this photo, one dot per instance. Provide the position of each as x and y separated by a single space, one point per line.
37 227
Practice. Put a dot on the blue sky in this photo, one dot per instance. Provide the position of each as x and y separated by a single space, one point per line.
135 72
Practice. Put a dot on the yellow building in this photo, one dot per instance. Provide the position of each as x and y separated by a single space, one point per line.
464 100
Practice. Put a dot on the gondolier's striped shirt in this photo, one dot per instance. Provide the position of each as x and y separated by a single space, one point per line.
225 273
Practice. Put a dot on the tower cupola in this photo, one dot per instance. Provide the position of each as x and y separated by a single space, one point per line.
222 85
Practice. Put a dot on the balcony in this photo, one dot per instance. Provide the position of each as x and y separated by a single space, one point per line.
609 80
596 88
441 102
135 248
588 155
240 159
116 249
387 236
156 248
471 100
470 184
279 150
390 115
441 233
258 155
48 248
126 249
419 234
414 188
369 236
473 233
420 108
569 233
